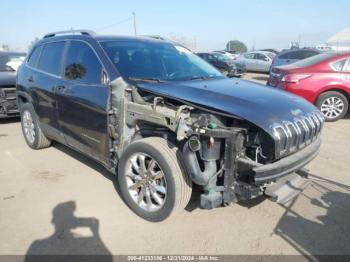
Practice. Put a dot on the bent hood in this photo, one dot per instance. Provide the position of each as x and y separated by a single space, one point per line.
261 105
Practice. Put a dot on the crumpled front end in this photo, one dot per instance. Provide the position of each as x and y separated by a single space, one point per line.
8 102
237 142
236 160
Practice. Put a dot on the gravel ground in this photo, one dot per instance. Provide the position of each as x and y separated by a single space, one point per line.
55 201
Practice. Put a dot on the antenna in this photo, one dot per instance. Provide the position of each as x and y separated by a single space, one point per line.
134 15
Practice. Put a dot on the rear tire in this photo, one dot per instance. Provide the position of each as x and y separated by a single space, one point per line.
333 105
32 132
151 198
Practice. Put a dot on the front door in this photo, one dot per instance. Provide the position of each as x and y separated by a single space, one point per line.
262 62
83 101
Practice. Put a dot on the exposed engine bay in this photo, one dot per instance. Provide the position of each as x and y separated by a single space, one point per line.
222 153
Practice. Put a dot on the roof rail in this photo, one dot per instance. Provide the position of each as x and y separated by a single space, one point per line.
70 32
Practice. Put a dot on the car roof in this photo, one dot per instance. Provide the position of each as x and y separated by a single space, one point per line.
261 52
299 50
101 38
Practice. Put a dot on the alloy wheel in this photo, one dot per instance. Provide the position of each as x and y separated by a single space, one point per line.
332 107
146 182
28 126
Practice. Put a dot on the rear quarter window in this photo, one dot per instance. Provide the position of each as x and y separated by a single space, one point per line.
346 68
284 56
34 57
51 58
338 65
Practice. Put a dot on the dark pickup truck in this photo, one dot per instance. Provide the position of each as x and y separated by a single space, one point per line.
162 119
8 102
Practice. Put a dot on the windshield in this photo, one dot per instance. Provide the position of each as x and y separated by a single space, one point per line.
314 59
10 62
222 57
271 55
157 60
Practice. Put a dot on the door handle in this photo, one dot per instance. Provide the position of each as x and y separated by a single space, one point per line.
30 79
60 88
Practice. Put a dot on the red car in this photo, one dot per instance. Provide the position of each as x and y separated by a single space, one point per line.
323 80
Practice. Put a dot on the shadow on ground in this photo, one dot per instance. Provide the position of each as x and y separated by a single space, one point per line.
192 205
72 235
328 234
9 120
90 163
261 78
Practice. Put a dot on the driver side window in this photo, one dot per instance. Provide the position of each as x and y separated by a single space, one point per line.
82 64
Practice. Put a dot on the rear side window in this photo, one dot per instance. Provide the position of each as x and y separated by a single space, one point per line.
338 65
51 57
82 64
313 60
347 66
34 57
302 54
284 56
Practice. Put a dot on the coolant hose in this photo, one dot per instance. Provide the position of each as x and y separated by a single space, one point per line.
198 176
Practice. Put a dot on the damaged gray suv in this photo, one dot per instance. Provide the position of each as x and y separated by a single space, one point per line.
162 120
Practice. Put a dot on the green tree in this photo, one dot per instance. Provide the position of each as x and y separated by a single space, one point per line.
237 46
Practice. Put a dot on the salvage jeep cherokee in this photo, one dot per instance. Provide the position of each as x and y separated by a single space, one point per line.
162 119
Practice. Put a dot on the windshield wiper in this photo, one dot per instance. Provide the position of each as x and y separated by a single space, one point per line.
201 77
146 79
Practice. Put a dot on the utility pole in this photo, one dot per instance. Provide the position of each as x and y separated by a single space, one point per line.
134 15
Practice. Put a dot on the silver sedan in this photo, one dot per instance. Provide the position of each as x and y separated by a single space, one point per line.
258 61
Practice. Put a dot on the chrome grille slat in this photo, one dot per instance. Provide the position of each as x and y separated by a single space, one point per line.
292 136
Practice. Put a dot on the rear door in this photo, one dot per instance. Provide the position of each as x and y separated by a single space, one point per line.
250 62
82 101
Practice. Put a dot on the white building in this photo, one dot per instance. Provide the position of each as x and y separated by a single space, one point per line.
338 42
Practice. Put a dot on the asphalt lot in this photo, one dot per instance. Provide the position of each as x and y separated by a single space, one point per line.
55 201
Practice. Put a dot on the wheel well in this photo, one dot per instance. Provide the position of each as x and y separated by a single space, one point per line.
347 95
22 100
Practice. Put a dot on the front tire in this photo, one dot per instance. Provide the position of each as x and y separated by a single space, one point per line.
153 180
32 132
333 105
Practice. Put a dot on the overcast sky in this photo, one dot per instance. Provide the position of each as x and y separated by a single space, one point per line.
209 24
